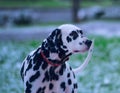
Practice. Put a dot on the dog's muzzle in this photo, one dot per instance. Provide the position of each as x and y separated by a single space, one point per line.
88 43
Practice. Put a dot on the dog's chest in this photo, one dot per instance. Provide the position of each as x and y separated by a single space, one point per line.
41 77
44 77
45 72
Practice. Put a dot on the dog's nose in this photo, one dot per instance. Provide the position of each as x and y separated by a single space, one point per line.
88 43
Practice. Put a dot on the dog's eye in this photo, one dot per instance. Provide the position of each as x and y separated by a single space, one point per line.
80 31
80 43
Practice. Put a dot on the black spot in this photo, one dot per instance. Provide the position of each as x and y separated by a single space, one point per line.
41 90
54 33
73 91
63 86
70 68
68 75
69 81
44 65
58 39
80 43
53 75
28 58
73 74
74 35
51 86
68 39
35 76
21 71
51 45
46 53
37 51
29 65
62 69
45 48
38 61
37 65
64 46
62 52
80 31
28 87
75 85
37 58
46 78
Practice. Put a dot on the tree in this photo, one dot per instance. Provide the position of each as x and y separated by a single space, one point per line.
75 9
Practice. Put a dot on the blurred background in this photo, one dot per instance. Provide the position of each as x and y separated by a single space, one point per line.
25 23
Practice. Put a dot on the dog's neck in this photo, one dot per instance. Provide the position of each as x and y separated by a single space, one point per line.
54 56
54 62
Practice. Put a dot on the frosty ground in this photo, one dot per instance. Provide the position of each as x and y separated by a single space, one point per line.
101 75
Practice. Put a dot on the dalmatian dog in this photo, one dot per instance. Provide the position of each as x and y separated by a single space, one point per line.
45 70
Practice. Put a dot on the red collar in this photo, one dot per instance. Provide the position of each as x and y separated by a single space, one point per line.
49 62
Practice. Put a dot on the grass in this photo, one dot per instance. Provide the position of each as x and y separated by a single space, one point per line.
52 3
100 76
101 3
38 3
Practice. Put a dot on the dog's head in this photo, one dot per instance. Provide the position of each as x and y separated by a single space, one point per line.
66 39
74 39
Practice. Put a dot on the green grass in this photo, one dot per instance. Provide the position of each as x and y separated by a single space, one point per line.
53 3
101 3
43 3
100 76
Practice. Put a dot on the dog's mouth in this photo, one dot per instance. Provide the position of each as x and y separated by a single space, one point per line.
81 51
88 45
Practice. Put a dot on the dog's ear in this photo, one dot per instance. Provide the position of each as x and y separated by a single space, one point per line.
54 40
55 36
58 38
